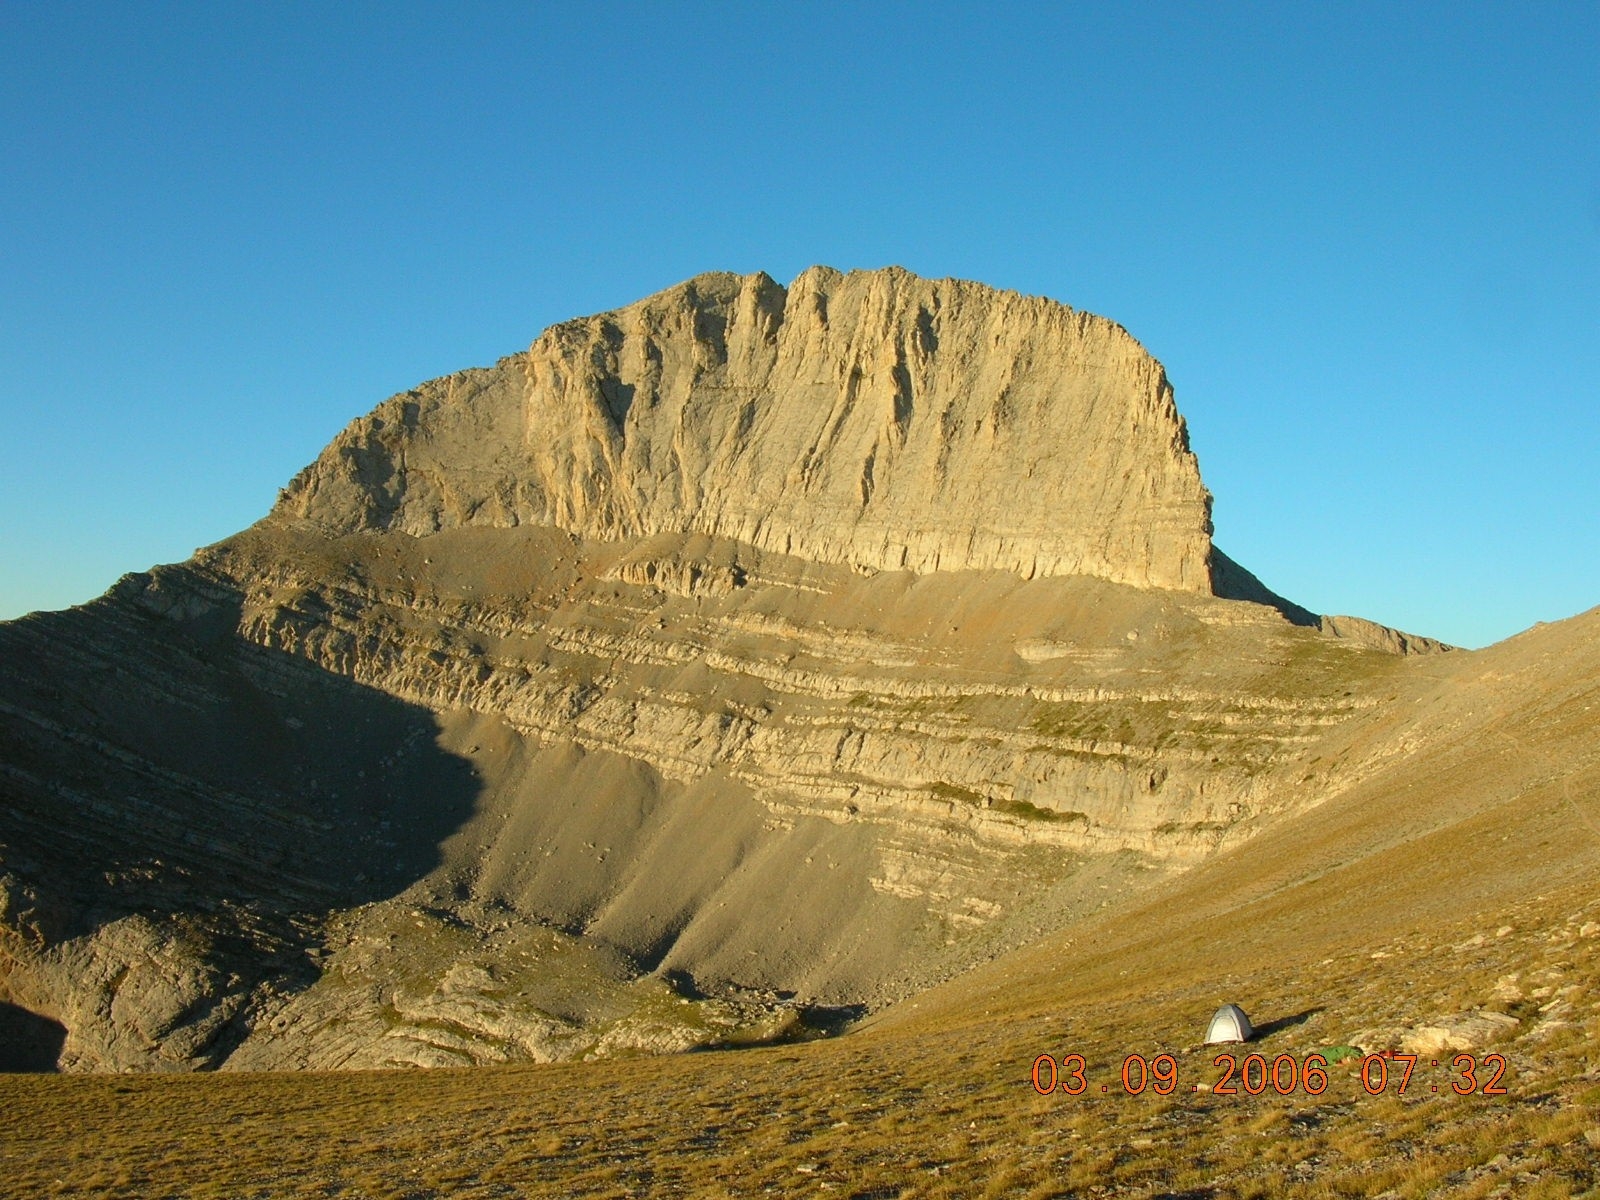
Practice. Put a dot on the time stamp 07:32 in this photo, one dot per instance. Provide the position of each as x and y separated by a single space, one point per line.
1254 1075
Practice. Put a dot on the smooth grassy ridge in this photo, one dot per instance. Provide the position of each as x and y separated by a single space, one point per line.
936 1111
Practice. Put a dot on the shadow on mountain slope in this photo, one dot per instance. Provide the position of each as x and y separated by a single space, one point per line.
1230 581
178 809
28 1042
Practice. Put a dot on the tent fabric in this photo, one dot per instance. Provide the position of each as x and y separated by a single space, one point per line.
1229 1025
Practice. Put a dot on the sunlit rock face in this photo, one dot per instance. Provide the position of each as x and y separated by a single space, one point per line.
874 419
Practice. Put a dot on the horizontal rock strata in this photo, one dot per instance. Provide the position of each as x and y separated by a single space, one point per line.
874 419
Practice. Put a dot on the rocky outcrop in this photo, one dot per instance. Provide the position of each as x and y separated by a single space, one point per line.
874 419
1381 637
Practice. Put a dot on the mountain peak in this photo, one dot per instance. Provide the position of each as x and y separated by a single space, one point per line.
872 418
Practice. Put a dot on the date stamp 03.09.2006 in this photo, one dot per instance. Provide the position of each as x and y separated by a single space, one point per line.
1254 1075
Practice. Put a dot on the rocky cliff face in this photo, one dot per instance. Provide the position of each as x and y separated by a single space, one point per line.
874 419
719 666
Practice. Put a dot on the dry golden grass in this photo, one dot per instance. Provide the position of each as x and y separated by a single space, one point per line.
1459 876
944 1110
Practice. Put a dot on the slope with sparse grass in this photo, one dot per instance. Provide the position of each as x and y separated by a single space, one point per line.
1387 910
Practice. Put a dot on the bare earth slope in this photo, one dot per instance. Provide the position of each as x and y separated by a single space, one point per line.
1442 896
720 668
1474 795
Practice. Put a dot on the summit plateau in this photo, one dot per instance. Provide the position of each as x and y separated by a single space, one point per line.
716 670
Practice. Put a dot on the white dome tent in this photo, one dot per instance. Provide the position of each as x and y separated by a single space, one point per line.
1229 1024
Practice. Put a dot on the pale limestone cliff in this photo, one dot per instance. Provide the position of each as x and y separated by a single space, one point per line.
875 419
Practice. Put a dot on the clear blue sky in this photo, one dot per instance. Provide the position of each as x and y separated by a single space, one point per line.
1363 238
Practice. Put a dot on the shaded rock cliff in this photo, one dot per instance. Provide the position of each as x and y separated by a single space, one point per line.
875 419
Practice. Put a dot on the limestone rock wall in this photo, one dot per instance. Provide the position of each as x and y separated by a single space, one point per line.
875 419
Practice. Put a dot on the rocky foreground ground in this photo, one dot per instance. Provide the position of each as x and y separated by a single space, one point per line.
940 1104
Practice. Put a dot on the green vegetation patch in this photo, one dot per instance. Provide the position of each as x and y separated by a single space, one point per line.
1032 812
961 795
1168 828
